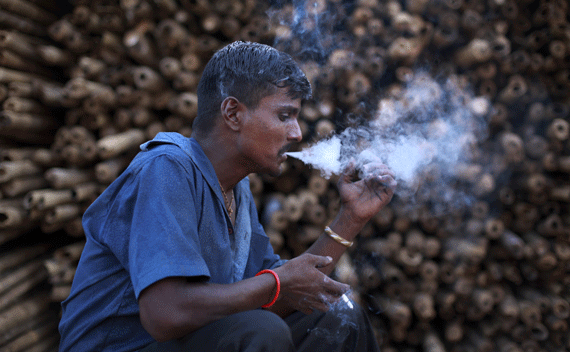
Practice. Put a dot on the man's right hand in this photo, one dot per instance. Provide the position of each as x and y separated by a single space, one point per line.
304 287
174 306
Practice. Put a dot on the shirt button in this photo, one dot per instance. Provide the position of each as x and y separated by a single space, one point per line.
230 230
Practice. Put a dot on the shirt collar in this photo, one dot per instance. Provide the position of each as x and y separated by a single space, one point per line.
193 149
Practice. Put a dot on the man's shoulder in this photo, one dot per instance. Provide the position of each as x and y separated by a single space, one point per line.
168 143
167 139
171 147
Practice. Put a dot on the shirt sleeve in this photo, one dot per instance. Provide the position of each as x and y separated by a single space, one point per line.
164 240
261 246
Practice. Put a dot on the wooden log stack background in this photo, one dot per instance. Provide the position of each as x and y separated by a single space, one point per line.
83 86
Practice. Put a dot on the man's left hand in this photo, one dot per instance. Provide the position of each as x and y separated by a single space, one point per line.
363 193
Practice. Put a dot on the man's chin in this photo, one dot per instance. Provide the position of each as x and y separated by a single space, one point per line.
273 172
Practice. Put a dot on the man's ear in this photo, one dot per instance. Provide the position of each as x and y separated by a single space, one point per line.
232 112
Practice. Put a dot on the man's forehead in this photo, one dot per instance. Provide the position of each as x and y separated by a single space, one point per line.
280 99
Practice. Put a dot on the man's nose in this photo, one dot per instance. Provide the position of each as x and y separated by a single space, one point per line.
295 133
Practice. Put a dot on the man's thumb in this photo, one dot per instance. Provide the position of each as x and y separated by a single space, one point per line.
323 261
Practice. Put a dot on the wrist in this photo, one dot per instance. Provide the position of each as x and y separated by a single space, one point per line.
346 225
338 238
277 289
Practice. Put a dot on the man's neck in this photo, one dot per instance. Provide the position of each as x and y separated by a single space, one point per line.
222 155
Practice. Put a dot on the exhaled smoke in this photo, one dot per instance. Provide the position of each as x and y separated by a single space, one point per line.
427 125
324 156
306 29
424 133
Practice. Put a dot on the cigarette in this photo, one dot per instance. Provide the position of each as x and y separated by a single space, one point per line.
347 300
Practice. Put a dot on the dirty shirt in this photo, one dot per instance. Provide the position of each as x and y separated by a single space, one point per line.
163 217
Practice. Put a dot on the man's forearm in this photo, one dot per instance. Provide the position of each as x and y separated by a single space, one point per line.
173 307
345 227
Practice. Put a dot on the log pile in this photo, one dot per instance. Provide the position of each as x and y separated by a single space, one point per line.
32 76
81 90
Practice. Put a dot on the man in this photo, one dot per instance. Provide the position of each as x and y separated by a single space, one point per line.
174 244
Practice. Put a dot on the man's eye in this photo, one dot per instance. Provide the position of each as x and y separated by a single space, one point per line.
283 117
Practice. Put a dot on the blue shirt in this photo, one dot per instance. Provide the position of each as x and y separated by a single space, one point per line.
164 216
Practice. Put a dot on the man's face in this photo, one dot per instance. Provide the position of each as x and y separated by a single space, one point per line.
269 131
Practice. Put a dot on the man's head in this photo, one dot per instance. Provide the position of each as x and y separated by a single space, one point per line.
248 72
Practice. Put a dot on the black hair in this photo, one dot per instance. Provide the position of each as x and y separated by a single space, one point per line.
248 71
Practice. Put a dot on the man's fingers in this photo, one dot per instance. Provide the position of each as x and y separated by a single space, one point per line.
386 181
350 168
335 288
349 172
381 183
323 307
374 169
324 301
309 303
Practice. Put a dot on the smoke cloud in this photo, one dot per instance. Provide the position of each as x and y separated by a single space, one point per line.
428 126
424 131
309 30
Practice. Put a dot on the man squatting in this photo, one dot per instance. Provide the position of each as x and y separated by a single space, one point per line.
174 243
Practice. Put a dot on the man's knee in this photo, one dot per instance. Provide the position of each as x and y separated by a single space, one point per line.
344 327
343 324
262 329
265 322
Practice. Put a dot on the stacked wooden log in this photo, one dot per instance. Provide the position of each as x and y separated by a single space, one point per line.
81 90
32 76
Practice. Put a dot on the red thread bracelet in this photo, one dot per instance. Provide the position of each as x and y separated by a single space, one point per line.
267 271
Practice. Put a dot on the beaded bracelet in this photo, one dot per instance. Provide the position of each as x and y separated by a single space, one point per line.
337 238
267 271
